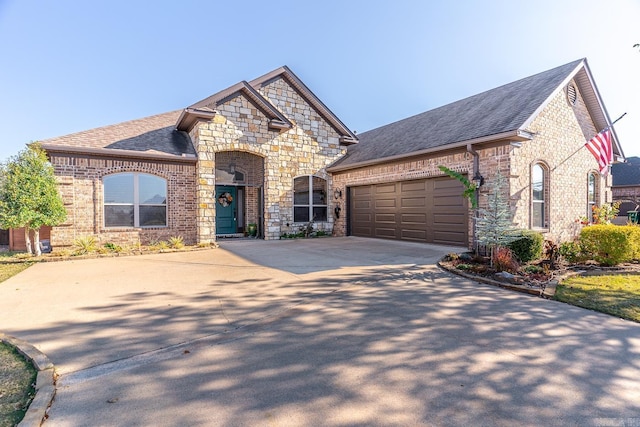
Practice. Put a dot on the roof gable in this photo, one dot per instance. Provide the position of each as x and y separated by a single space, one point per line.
206 108
500 113
347 137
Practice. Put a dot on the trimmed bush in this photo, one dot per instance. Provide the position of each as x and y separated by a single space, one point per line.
528 246
571 252
610 244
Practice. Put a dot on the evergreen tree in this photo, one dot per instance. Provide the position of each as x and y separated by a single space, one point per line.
494 225
29 195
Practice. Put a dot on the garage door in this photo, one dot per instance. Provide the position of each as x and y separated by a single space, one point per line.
426 210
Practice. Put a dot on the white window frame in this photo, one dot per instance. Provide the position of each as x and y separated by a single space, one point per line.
594 202
545 197
310 203
136 201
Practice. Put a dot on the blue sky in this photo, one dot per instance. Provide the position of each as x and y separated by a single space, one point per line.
71 65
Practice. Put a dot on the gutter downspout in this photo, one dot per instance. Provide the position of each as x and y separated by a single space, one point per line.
475 171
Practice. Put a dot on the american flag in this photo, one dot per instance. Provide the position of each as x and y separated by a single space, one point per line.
600 147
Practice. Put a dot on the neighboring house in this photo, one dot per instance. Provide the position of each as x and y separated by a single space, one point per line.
270 152
626 185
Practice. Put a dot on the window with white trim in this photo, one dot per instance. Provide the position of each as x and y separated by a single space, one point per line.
135 200
592 194
309 199
539 196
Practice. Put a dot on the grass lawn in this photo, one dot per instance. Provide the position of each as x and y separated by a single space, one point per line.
17 377
8 270
618 295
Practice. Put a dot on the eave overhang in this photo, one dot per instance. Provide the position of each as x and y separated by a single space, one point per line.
190 116
110 152
518 135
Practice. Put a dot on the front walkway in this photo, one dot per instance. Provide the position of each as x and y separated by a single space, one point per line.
336 331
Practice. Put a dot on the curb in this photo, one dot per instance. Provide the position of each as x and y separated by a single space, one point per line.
44 259
45 381
548 292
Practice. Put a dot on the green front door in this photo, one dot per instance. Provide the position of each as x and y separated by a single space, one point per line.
226 210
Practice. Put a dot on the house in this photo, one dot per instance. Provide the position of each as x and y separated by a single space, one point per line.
626 186
269 152
532 130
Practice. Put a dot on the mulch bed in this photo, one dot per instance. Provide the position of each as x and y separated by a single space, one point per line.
539 284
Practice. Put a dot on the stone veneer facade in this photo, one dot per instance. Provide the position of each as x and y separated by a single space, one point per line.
80 185
560 131
240 127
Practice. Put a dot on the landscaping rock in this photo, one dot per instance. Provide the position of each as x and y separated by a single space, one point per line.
505 275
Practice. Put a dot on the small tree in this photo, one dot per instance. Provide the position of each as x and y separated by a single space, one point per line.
29 195
494 225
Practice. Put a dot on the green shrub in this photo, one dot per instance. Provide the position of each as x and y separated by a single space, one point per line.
571 252
112 247
533 269
610 244
85 245
464 267
634 237
528 247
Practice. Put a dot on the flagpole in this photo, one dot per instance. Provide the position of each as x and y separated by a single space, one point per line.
576 152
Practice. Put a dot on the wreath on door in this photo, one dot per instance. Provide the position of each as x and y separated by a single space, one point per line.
225 199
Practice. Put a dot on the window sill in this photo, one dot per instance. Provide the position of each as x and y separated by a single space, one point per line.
124 228
540 230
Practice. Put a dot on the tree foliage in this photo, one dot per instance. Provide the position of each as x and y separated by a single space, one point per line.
29 195
494 225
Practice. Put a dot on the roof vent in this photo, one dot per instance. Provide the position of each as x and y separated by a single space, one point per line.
572 94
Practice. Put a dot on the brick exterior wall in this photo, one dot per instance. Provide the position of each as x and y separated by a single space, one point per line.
560 130
270 159
425 166
240 127
80 185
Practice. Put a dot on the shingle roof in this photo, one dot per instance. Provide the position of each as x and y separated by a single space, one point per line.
496 111
626 173
165 134
151 135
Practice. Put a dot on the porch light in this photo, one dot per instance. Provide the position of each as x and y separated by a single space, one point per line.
232 168
478 179
337 193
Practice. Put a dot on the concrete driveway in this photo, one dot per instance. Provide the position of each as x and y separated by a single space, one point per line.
333 332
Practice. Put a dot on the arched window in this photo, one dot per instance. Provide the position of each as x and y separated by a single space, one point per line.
135 200
539 196
592 194
309 199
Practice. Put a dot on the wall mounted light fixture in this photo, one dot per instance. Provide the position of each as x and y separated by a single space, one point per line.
478 179
337 193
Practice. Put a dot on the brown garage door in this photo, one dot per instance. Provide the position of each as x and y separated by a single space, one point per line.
426 210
